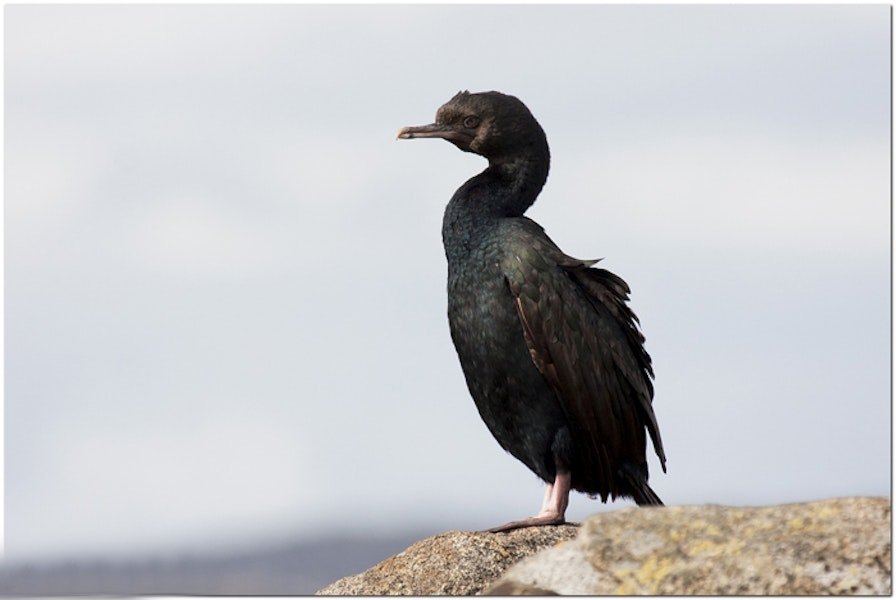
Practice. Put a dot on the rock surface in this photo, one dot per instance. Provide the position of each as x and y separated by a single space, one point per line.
455 563
838 546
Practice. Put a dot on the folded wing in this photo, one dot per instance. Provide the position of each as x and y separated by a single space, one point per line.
584 339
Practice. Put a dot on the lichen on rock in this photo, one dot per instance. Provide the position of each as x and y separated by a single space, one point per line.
837 546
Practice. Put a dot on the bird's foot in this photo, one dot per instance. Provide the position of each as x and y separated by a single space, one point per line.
553 508
544 518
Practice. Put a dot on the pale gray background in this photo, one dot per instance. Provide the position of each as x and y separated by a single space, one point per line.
225 306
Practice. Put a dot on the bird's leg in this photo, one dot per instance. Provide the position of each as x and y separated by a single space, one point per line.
556 497
553 508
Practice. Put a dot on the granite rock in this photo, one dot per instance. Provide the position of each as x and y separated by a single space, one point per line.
453 563
837 546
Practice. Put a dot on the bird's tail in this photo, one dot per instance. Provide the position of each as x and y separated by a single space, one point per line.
637 480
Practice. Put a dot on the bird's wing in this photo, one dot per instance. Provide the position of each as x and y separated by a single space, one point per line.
584 339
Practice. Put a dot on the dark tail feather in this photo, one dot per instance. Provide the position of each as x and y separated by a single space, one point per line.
645 496
637 480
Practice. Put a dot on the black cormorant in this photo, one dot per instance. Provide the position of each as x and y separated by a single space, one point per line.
551 352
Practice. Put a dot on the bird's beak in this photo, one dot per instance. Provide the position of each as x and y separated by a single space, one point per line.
435 130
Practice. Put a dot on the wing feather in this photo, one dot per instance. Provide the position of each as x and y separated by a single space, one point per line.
584 339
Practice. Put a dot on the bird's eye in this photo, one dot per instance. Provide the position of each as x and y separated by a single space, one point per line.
471 122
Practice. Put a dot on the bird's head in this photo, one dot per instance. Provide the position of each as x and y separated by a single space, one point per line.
491 124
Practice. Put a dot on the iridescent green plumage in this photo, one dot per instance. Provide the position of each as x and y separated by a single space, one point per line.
551 352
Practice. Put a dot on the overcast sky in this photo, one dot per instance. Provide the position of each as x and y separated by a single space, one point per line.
225 286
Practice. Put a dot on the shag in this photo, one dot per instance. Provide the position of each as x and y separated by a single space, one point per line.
552 354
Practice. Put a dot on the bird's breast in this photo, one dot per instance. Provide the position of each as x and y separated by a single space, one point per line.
482 316
477 292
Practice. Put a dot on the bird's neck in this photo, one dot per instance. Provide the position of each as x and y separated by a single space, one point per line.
517 181
504 190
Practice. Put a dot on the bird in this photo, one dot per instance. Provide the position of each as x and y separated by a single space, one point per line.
552 354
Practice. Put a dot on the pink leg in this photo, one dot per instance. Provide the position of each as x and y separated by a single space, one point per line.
553 508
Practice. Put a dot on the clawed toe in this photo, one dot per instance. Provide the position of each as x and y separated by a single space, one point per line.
549 519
